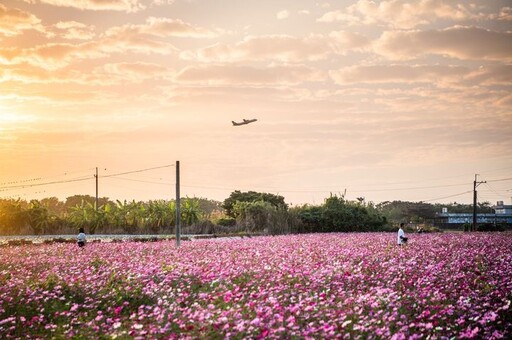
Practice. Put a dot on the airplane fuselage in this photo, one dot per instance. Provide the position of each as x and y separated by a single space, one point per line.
243 122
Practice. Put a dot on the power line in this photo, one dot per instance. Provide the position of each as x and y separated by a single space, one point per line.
500 180
327 190
494 191
136 171
47 183
141 181
42 178
440 198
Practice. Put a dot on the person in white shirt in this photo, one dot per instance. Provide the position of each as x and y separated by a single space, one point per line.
81 237
401 235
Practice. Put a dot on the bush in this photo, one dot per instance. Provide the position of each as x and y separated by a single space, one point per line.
226 222
339 215
490 227
201 227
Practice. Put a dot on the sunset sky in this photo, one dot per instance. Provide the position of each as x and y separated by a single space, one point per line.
388 100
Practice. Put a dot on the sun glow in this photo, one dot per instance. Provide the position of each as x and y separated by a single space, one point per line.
9 117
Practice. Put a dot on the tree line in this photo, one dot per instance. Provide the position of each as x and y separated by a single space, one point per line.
241 212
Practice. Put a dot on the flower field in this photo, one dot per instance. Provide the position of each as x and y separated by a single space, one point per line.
301 286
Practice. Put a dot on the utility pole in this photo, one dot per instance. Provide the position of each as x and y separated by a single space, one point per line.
475 185
178 210
96 206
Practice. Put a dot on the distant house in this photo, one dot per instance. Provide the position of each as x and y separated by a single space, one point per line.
502 215
501 209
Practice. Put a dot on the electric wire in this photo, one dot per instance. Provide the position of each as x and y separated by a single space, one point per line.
43 178
440 198
141 181
137 171
46 183
494 191
500 180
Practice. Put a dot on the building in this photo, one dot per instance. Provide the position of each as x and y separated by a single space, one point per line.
501 209
502 215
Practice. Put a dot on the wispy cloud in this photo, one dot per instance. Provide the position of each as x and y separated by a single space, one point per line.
398 74
14 21
283 48
402 14
96 5
164 27
456 42
72 30
282 14
247 75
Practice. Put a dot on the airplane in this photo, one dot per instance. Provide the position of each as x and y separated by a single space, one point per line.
244 122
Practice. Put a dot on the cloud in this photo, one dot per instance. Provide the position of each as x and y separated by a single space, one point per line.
13 21
95 5
398 73
245 75
72 30
135 72
283 48
282 15
491 75
349 40
403 14
164 27
457 42
116 40
505 14
162 2
505 102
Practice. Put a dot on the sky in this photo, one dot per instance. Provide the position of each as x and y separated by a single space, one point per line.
381 100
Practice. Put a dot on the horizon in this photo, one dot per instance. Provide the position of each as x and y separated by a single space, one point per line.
395 100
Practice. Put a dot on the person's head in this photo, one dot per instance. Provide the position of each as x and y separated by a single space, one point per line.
402 225
81 230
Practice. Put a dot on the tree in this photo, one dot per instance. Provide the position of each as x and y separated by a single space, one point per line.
39 217
160 215
339 215
252 196
190 212
75 200
13 216
55 207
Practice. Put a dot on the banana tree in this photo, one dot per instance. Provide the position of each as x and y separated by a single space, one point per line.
39 217
13 216
190 212
79 215
86 215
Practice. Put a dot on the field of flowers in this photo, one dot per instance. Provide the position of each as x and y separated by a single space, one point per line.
301 286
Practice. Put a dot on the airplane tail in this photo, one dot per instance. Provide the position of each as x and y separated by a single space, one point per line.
234 123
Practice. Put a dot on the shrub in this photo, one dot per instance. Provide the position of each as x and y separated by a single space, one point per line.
226 222
490 227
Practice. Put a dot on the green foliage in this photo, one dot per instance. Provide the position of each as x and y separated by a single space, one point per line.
190 212
226 221
421 212
491 227
339 215
252 196
39 217
13 216
75 200
261 216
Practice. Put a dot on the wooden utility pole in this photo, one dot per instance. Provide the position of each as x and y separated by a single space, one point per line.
96 206
178 210
475 185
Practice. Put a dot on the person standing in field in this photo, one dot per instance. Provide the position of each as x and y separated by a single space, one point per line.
401 235
81 237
